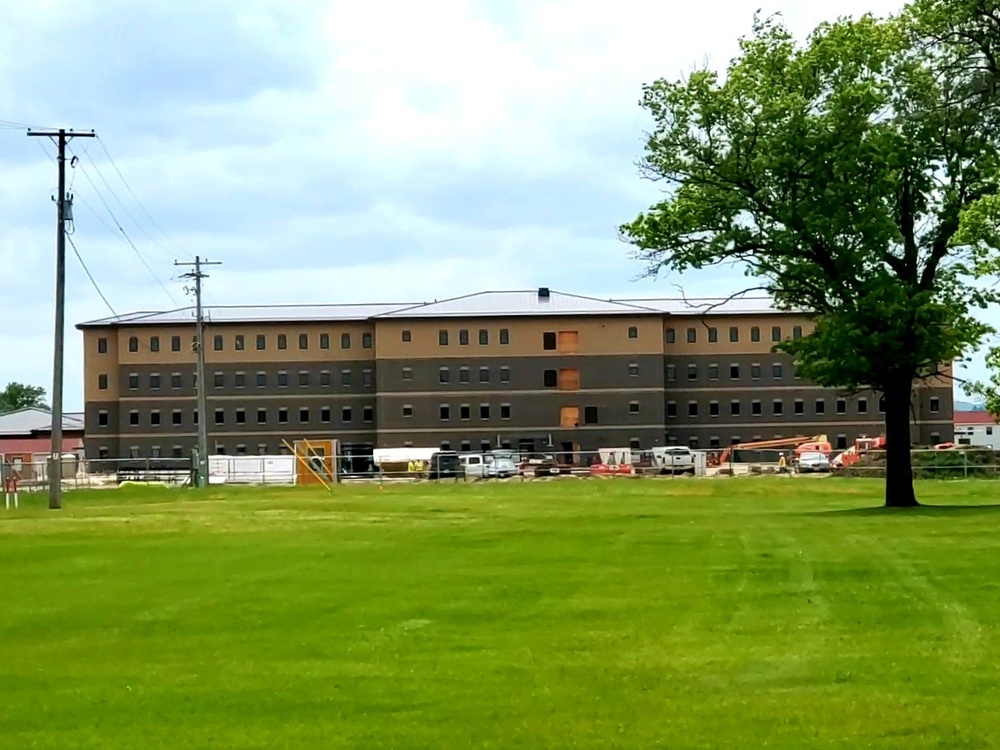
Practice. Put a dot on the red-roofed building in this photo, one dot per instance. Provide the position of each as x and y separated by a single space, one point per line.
26 438
976 428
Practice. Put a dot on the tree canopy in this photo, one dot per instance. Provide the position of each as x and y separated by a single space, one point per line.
21 396
855 177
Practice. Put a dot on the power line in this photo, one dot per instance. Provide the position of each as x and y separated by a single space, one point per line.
90 276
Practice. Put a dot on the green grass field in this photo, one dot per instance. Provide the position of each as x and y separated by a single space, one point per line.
634 614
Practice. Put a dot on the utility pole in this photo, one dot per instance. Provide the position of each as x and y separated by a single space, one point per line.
61 138
199 342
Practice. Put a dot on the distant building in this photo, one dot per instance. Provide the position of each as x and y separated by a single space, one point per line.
535 370
976 428
26 436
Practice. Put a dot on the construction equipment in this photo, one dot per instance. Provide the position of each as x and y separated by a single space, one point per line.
801 444
853 454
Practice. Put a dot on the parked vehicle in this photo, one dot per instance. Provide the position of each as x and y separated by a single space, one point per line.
813 462
538 464
673 459
500 466
445 465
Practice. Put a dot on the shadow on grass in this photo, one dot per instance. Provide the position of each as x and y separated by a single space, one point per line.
920 510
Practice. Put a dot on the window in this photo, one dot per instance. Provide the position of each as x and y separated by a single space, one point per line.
935 438
549 341
154 381
446 445
262 416
755 408
713 408
590 415
734 334
713 335
820 406
692 372
671 336
671 372
633 332
444 375
799 406
194 417
465 446
407 410
303 378
464 375
569 379
367 378
282 341
220 449
282 379
345 341
504 374
443 337
935 405
484 337
366 340
692 335
217 343
133 381
464 412
633 407
755 334
734 372
102 418
324 341
261 449
550 378
102 346
324 378
102 382
841 442
862 406
734 408
303 341
239 342
175 343
220 416
881 404
407 373
133 344
713 372
444 413
776 333
261 379
797 332
218 380
463 337
345 378
241 449
176 417
304 415
484 374
133 418
692 408
154 343
154 418
504 337
671 408
989 429
177 452
346 414
841 406
261 342
324 415
133 452
693 443
240 380
504 411
755 372
633 370
407 337
484 411
776 371
241 416
175 380
778 407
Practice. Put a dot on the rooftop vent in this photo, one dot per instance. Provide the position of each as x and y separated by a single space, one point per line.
543 294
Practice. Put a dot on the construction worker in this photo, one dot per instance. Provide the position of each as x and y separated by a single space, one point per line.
782 464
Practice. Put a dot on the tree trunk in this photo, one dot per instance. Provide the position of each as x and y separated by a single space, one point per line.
899 470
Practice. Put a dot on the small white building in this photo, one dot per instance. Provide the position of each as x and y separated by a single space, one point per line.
978 428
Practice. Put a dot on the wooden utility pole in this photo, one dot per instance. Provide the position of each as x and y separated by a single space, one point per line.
199 342
61 138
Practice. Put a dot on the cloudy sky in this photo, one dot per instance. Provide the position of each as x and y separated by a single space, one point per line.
336 151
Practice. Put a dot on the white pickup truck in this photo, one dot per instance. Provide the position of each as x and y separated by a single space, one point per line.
673 460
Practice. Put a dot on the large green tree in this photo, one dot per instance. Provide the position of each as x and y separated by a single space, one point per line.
854 175
21 396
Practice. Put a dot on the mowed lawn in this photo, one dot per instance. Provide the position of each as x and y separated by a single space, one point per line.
740 613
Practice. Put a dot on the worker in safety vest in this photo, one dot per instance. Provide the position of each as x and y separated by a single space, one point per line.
782 464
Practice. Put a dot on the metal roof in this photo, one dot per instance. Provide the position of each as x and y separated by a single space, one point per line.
33 419
535 302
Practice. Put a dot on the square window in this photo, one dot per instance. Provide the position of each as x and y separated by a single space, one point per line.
862 406
549 341
713 372
407 373
484 411
324 341
345 378
241 449
671 408
881 404
261 342
935 405
407 410
282 379
102 419
713 408
368 414
240 380
463 337
261 379
345 341
134 452
590 415
217 343
841 406
324 378
241 416
367 378
346 414
303 378
504 411
671 336
633 332
262 416
194 416
154 418
633 370
282 341
102 346
755 372
692 335
220 416
175 343
713 335
797 332
176 417
324 415
504 337
776 371
133 418
692 408
304 415
177 451
218 380
484 337
154 343
303 341
407 337
776 333
443 337
734 334
366 340
692 372
465 446
778 408
841 442
464 412
734 408
133 344
133 381
755 334
444 413
550 378
756 408
444 375
239 342
484 374
734 372
820 406
671 372
800 406
504 374
102 382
